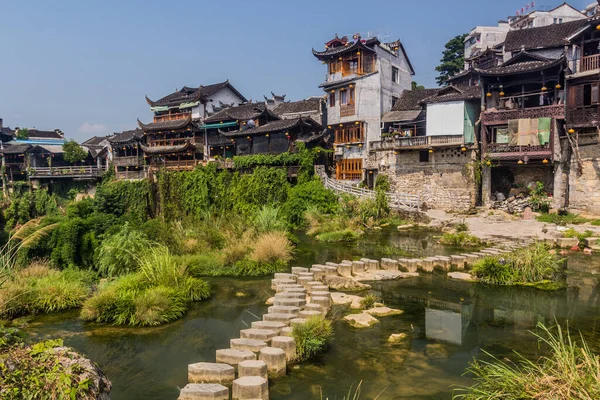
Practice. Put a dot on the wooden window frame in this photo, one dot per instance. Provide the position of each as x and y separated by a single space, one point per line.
349 169
332 99
395 74
344 97
349 133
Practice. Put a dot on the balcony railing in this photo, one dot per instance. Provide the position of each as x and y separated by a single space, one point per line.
171 117
131 174
347 110
583 116
67 172
179 165
496 117
590 63
497 151
417 142
127 161
169 142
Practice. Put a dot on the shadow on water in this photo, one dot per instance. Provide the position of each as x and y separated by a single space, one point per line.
447 324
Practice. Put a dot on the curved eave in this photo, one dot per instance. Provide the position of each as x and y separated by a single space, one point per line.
328 54
150 127
167 149
483 72
150 102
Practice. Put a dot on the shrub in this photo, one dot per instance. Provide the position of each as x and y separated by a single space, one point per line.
460 239
120 253
254 268
308 195
382 183
196 265
9 337
159 305
581 236
312 337
368 302
562 220
539 198
569 371
462 226
272 247
346 235
492 271
269 219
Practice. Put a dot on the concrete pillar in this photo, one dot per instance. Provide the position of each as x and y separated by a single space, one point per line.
287 344
275 360
205 372
204 391
486 184
250 388
252 368
234 357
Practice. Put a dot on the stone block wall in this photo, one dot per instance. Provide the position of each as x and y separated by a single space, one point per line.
584 190
443 183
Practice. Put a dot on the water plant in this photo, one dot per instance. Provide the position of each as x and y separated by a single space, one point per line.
312 337
460 239
368 301
570 370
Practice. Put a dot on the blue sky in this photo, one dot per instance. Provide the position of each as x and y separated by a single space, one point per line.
84 66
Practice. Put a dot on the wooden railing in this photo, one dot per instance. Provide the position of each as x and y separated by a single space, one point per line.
499 151
396 201
347 110
590 63
179 164
131 174
496 117
66 172
417 142
171 117
127 161
583 116
169 142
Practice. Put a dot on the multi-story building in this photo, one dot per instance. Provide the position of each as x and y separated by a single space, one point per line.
364 79
537 18
482 38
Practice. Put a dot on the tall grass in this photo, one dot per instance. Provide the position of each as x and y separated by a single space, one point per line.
269 219
119 253
569 371
460 239
272 247
312 337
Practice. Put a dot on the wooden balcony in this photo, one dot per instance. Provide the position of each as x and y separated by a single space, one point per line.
416 142
587 116
498 117
127 161
169 142
590 63
347 110
171 117
498 151
84 171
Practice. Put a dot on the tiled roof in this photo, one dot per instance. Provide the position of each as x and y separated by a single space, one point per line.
410 99
95 140
190 94
167 149
94 150
397 116
290 107
167 125
14 148
7 131
34 133
351 46
519 68
344 81
543 37
276 126
126 136
453 93
241 113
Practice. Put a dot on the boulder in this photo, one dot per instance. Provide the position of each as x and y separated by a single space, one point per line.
463 276
344 284
397 337
362 320
383 311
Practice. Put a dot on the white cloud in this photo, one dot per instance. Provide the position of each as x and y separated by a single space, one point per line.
92 129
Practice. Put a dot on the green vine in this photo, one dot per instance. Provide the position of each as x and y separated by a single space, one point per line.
475 167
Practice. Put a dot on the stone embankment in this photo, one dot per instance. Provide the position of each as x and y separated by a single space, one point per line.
263 351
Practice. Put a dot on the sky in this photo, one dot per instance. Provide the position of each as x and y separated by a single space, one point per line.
85 66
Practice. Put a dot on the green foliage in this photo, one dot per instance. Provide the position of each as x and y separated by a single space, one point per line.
124 197
460 239
312 337
73 152
269 219
382 182
539 199
462 226
452 60
595 222
368 301
415 86
346 235
569 371
22 134
533 264
10 337
36 372
311 194
581 236
564 219
28 205
119 253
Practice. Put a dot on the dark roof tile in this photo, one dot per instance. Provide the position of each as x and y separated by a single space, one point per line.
126 136
543 37
410 99
290 107
453 93
240 113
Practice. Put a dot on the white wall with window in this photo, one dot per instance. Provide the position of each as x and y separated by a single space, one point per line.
445 118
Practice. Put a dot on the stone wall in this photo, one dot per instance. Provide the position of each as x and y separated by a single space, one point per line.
443 183
584 190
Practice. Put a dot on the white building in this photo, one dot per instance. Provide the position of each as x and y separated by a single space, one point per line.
364 79
536 18
591 9
483 37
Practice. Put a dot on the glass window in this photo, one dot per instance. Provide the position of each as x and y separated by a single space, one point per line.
343 97
332 99
395 75
394 100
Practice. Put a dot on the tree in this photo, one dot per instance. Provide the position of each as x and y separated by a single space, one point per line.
73 152
453 59
415 86
22 133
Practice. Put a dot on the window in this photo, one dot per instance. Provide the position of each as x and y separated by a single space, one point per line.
424 156
333 67
351 93
349 133
394 100
395 75
353 66
343 97
332 99
349 169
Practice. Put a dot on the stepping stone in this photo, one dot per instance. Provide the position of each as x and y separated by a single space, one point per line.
305 274
204 391
297 270
331 264
303 280
567 243
370 265
290 295
283 310
470 259
281 275
362 320
412 265
252 368
234 357
490 251
260 334
272 325
463 276
287 286
318 273
313 307
250 388
297 321
442 263
275 360
308 314
287 331
320 294
253 345
289 302
389 264
358 267
344 269
285 318
458 261
320 288
310 285
204 372
383 311
330 270
287 344
295 290
427 264
324 302
276 282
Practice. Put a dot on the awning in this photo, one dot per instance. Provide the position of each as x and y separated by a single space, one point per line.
188 105
399 116
223 125
159 108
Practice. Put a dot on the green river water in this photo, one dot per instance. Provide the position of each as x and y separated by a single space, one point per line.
448 323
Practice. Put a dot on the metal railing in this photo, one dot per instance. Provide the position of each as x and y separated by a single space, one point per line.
417 141
396 201
66 172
